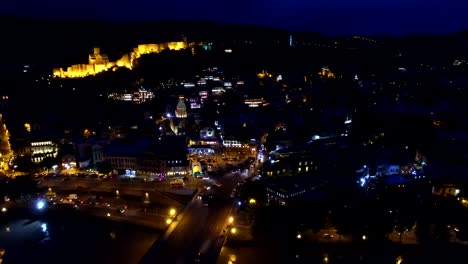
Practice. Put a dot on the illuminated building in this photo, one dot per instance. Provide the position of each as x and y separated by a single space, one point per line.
178 124
145 157
97 58
98 62
207 133
326 73
5 147
255 102
181 109
43 149
264 74
194 103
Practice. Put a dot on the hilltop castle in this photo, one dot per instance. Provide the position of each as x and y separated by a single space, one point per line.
98 62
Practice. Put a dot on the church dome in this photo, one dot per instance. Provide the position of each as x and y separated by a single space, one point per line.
181 105
181 109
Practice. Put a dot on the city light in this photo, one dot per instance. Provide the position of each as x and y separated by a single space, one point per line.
4 210
172 212
399 260
40 204
233 230
168 221
231 220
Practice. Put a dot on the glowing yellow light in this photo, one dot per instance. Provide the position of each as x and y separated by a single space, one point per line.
172 212
168 221
252 201
233 257
100 62
86 133
233 230
28 127
399 260
231 219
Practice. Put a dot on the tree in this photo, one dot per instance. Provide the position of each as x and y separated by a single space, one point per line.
104 167
48 162
5 148
24 163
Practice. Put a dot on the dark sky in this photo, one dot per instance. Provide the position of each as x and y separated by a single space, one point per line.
326 16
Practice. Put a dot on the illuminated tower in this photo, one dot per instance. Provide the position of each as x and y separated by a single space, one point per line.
181 109
5 148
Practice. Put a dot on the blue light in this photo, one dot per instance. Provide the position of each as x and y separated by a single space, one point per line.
44 227
239 203
362 181
40 205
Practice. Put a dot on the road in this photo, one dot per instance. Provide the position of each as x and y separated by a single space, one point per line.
112 184
199 229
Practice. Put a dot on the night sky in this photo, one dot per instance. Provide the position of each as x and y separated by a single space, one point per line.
397 17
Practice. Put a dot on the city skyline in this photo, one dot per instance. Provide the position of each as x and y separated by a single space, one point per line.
390 17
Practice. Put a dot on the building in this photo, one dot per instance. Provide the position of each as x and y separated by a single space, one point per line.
122 154
318 156
96 58
43 149
282 191
98 62
97 153
147 157
181 109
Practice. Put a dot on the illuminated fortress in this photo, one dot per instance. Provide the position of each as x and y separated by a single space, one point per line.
100 62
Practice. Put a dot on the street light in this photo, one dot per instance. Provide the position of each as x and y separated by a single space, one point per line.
172 212
399 260
40 204
168 221
233 230
231 220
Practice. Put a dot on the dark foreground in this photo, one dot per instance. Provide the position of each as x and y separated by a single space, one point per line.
63 236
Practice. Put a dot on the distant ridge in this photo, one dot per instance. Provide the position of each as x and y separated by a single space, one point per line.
59 41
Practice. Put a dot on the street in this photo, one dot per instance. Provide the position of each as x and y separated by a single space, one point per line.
200 230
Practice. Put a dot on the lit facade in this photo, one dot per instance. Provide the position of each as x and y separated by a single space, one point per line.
98 62
181 109
43 149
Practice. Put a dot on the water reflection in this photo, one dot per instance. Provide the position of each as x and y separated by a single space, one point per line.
66 238
44 232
